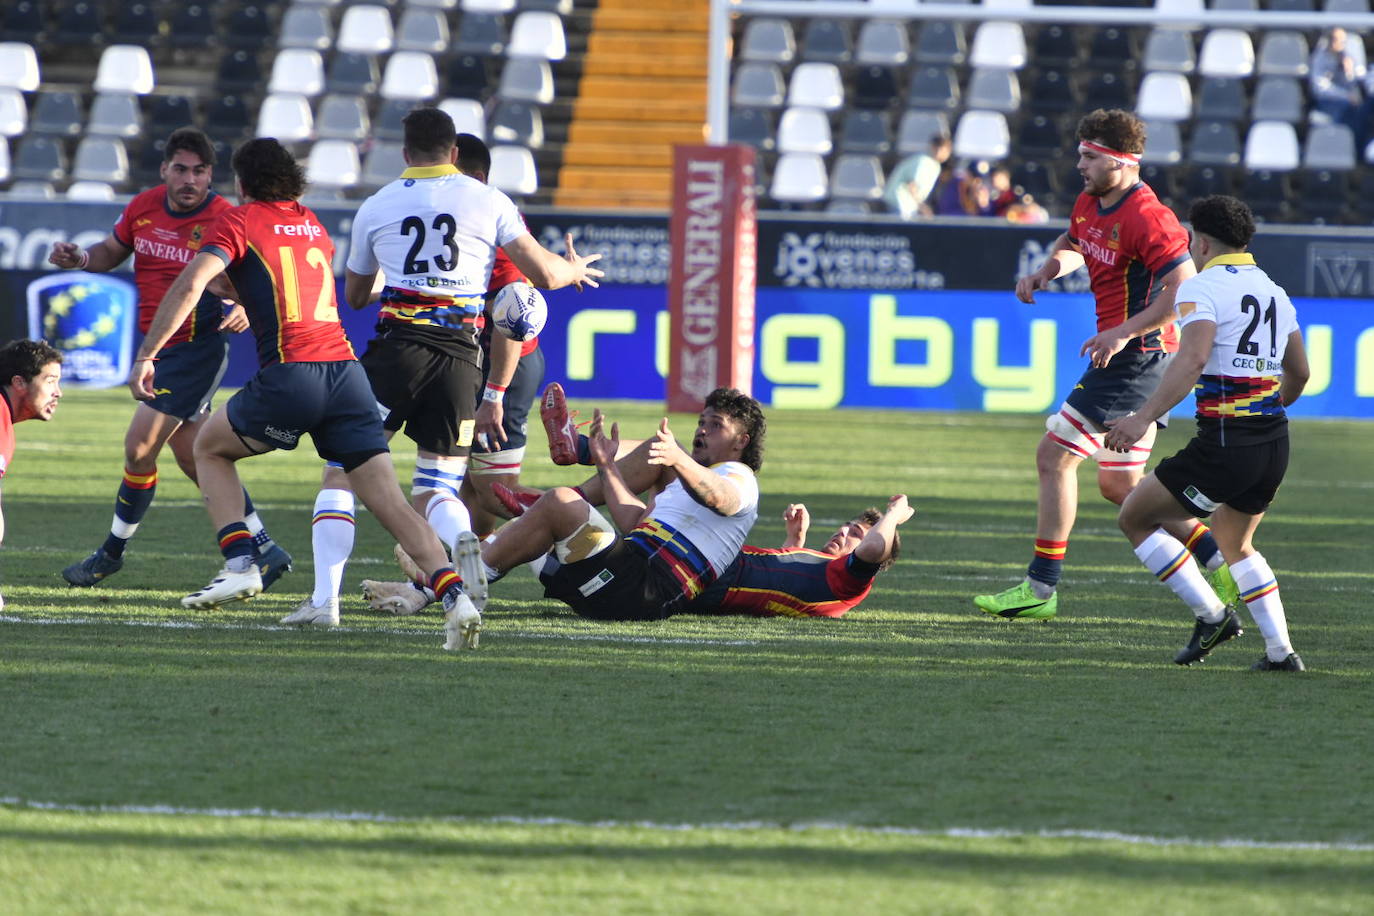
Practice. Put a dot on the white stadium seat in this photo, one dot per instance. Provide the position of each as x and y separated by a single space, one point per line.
298 70
513 171
998 44
1272 145
18 66
125 68
1227 52
982 135
287 117
410 75
333 164
799 178
804 130
816 85
537 33
1166 96
468 116
366 29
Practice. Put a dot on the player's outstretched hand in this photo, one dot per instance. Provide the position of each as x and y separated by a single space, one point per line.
663 448
1125 432
588 274
141 380
1029 285
601 447
235 319
1101 347
900 510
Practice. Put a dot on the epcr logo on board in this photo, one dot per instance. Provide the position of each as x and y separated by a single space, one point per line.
851 260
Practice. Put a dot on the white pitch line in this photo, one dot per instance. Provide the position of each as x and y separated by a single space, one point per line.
979 833
389 631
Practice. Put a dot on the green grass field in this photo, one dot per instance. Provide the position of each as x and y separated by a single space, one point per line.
914 757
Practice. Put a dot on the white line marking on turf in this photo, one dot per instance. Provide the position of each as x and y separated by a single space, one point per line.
390 631
958 832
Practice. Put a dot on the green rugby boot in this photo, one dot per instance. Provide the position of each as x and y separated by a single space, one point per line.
1224 586
1019 602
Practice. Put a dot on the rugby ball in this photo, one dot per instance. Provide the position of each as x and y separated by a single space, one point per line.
519 311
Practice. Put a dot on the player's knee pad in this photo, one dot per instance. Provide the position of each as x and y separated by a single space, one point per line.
591 537
443 475
506 461
1133 460
1072 432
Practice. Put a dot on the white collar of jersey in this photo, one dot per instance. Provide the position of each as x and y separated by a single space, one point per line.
1239 257
431 171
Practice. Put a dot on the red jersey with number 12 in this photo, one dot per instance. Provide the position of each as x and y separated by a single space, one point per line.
280 260
1128 248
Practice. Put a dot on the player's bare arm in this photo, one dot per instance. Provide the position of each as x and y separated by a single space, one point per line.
797 521
713 491
547 270
1296 371
491 413
1194 347
1063 259
626 509
104 255
1101 347
181 297
877 543
361 290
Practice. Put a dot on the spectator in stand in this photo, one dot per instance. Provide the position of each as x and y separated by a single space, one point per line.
913 180
968 192
1334 80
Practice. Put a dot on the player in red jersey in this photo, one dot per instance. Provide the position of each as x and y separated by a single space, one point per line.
30 387
280 260
795 581
163 228
1137 255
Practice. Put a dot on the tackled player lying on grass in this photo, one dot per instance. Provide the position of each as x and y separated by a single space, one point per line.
791 580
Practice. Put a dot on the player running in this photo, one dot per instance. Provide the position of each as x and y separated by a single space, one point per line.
1137 254
433 235
279 258
1243 352
163 228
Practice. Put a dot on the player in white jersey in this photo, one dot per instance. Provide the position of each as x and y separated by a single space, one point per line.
672 547
1242 349
432 236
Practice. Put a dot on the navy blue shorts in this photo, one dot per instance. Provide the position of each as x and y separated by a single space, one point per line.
186 376
520 396
331 401
1120 387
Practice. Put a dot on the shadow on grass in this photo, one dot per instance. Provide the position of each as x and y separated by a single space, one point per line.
1011 860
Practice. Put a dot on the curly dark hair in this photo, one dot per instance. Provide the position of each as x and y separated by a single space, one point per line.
192 141
474 158
429 133
1114 128
872 516
1224 218
26 359
267 170
746 411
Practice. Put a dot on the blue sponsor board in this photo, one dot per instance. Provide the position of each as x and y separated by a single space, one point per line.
946 350
90 318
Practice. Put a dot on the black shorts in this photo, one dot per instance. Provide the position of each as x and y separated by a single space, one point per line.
330 401
186 375
620 583
1204 476
520 396
1120 387
430 394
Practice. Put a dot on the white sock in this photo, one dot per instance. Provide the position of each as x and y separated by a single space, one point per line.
331 539
1040 589
448 517
1166 557
1260 592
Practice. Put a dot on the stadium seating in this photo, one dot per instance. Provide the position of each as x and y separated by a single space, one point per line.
1006 89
